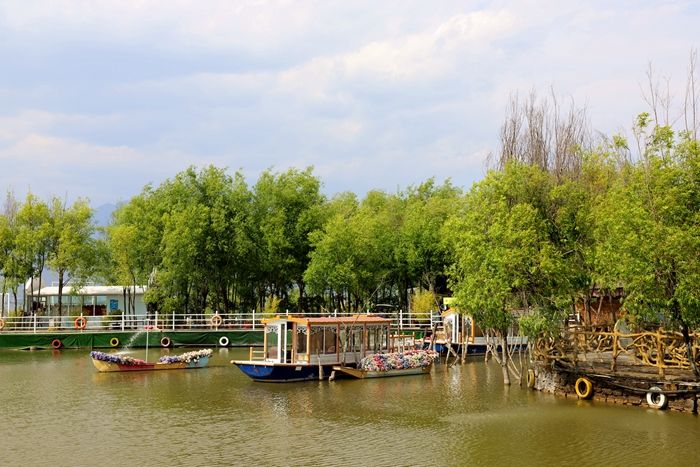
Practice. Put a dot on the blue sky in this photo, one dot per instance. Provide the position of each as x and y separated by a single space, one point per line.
99 98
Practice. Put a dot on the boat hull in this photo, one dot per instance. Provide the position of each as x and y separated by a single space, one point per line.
282 373
106 367
363 374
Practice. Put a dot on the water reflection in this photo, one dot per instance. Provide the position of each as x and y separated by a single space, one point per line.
58 410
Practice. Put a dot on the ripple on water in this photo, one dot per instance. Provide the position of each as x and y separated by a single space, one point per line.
58 411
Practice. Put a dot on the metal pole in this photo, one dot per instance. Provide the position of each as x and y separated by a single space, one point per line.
173 320
253 318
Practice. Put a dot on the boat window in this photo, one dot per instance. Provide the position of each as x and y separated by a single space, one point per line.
350 339
375 338
329 340
302 332
323 340
272 334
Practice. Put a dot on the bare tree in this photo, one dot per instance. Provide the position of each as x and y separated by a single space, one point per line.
692 98
539 132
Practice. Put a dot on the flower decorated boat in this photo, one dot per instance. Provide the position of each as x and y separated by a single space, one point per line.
381 365
106 362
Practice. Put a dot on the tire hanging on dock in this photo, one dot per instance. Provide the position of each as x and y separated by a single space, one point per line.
114 341
56 343
223 341
531 378
656 398
584 388
165 342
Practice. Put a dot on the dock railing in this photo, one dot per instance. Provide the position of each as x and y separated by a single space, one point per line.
405 322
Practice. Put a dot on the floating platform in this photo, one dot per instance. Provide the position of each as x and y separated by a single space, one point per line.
135 339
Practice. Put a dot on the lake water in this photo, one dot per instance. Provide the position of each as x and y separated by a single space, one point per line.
56 410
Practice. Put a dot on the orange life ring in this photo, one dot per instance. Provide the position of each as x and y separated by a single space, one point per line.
56 343
216 321
80 323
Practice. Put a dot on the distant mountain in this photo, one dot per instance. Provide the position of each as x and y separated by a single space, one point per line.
103 214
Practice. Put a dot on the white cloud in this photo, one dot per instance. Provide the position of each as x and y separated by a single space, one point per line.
374 95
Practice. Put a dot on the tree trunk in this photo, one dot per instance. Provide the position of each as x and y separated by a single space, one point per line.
125 311
39 296
60 292
504 358
302 287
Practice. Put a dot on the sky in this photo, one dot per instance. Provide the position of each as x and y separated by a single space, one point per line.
99 98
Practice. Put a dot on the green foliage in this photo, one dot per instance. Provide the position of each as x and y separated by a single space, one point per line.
648 231
422 303
505 243
287 207
272 306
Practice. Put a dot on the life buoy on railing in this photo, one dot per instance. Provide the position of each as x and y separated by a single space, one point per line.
223 341
584 388
2 324
165 342
56 343
656 398
216 321
80 323
114 341
531 378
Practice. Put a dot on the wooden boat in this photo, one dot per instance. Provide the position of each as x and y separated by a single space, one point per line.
362 374
105 362
382 365
305 348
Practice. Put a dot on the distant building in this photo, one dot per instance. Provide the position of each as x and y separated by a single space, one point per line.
91 300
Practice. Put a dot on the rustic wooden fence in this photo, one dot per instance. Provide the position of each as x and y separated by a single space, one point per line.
660 349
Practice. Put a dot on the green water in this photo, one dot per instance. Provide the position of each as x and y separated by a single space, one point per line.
56 410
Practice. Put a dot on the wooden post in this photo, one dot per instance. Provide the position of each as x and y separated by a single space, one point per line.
432 337
320 367
613 365
660 353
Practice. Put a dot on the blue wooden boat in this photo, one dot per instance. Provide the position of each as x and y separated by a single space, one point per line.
298 348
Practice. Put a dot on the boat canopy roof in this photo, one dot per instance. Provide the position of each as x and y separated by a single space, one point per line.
331 320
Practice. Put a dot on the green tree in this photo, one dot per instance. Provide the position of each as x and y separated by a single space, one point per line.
352 254
72 253
32 243
287 207
506 260
419 247
648 231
